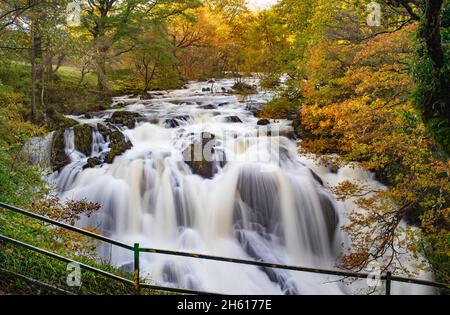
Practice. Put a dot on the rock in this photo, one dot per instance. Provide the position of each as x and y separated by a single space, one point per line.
83 138
105 131
316 177
201 165
58 121
92 162
88 116
119 144
125 118
330 215
233 119
255 108
263 122
244 88
209 106
175 121
211 81
58 157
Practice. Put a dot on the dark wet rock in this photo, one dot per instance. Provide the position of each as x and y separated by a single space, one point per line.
223 104
206 89
58 156
125 118
209 106
92 162
104 130
175 121
88 116
119 144
83 138
233 119
330 216
211 81
202 165
263 122
316 177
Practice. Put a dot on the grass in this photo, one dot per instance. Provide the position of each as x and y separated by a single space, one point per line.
48 270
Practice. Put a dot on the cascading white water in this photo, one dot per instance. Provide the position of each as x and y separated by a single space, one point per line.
263 203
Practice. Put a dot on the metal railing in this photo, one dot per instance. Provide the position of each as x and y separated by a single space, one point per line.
136 282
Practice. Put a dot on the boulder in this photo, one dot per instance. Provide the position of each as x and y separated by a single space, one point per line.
119 144
209 106
233 119
330 216
58 156
205 167
83 138
175 121
92 162
263 122
125 118
105 131
244 88
58 121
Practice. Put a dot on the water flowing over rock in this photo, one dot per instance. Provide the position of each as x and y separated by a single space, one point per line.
125 118
201 162
119 144
254 197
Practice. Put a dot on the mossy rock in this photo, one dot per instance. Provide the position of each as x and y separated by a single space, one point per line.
83 138
92 162
125 118
244 88
58 121
105 131
58 156
119 144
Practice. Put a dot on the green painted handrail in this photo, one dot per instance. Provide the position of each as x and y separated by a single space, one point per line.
137 250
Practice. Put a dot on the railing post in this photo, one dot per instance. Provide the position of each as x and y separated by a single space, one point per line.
388 283
137 278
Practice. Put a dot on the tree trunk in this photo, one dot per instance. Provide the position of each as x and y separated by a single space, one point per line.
432 76
102 81
33 69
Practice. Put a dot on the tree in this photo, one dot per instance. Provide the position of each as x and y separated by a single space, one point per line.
432 67
114 24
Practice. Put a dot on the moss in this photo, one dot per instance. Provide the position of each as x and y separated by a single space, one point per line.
119 144
125 118
243 88
83 138
58 156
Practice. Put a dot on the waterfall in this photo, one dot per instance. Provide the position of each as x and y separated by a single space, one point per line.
263 202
